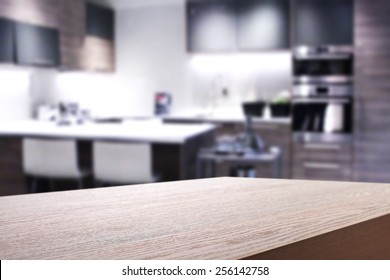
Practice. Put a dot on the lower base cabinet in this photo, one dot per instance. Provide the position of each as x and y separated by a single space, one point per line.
322 161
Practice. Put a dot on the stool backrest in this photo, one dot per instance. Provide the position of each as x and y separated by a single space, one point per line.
51 158
122 162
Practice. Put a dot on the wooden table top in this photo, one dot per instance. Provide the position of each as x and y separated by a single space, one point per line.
222 218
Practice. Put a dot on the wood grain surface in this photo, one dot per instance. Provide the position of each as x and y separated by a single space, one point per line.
222 218
372 85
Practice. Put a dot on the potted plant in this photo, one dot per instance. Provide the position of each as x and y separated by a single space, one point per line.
254 109
281 106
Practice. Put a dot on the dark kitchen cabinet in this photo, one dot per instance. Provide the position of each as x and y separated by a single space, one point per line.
72 33
100 21
37 45
68 16
7 41
211 25
98 52
323 22
263 24
322 161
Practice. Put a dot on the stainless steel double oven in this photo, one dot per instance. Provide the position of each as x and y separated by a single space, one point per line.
323 94
322 119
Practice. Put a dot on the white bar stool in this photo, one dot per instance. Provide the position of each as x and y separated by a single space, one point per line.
52 159
122 163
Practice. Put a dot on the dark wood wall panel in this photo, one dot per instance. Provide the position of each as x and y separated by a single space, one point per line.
98 55
12 180
72 30
372 102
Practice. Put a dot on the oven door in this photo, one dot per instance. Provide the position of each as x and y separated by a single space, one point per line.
322 90
322 69
322 119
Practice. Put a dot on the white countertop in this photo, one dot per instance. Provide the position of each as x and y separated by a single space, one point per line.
153 131
221 115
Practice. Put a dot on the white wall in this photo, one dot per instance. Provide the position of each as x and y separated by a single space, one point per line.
246 77
14 94
105 95
151 46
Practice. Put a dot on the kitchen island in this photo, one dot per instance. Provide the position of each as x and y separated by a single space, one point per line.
149 131
174 146
221 218
228 115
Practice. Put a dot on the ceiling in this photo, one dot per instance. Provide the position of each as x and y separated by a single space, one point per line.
124 4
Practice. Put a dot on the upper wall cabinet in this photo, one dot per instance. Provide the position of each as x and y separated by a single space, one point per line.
37 45
85 34
211 25
42 14
28 44
72 33
263 25
322 22
7 47
237 25
98 54
100 22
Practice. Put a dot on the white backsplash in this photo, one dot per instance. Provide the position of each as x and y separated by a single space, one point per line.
104 95
246 77
218 82
15 99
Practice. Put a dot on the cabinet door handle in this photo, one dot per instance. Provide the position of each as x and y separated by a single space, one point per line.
305 100
322 147
321 166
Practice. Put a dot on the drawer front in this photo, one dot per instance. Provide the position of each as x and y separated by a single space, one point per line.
315 170
337 153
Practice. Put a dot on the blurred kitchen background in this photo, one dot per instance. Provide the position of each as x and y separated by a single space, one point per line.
113 92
